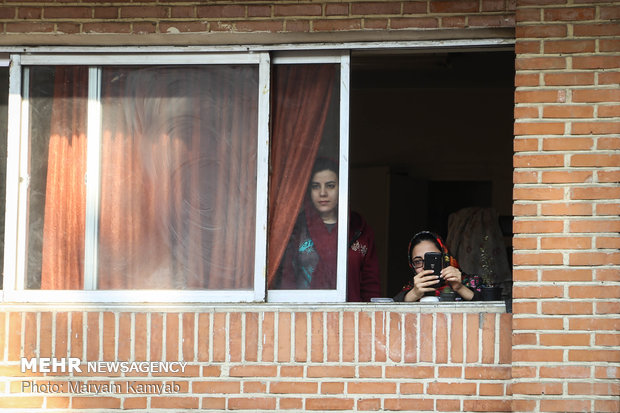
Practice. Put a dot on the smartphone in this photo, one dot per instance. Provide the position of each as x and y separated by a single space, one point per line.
434 261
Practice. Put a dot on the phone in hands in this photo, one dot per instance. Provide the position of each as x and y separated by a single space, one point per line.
434 261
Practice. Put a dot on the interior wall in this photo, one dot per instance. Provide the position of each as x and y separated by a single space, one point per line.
441 125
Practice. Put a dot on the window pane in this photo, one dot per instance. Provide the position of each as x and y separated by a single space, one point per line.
4 95
303 198
178 177
58 105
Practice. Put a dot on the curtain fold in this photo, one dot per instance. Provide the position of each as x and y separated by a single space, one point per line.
62 262
301 96
178 179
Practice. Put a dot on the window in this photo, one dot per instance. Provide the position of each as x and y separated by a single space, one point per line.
154 177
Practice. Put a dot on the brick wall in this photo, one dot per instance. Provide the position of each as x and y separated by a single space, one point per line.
316 359
173 17
567 200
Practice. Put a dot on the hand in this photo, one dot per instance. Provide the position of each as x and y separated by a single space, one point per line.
422 283
453 277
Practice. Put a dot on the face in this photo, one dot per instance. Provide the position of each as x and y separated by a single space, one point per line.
324 192
418 254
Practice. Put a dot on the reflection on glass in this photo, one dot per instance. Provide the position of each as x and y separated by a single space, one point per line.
303 212
178 177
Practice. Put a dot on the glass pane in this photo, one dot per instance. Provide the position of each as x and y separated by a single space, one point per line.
303 197
4 97
57 193
178 177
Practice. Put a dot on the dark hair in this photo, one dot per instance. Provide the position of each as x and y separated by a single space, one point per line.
424 236
324 164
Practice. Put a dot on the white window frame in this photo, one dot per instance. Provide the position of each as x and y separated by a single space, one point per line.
18 181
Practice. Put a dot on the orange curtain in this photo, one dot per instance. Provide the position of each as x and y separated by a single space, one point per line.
178 179
62 264
301 96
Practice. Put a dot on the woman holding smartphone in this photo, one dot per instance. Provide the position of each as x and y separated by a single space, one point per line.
425 283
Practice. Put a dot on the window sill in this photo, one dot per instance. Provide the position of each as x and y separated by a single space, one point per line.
435 307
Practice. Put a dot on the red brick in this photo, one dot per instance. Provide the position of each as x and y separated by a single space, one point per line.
595 226
566 307
607 356
300 337
409 372
77 335
143 12
611 406
596 95
523 372
395 337
538 259
488 373
538 193
596 29
348 336
410 329
595 193
329 403
595 160
463 6
589 128
290 403
546 355
370 387
539 128
297 26
296 387
488 338
528 15
567 275
569 14
566 243
567 177
332 388
524 339
251 337
410 405
336 9
608 340
540 63
215 403
540 31
524 210
252 403
203 336
607 209
270 26
563 372
414 23
525 275
211 371
220 11
216 387
448 405
65 12
365 337
506 20
368 404
537 388
297 10
527 112
568 111
608 143
538 161
98 402
124 337
330 371
596 62
593 324
525 144
534 227
609 78
456 338
375 8
268 339
92 340
565 340
316 337
234 336
569 79
577 209
528 47
603 274
453 21
333 336
370 372
251 370
336 25
106 27
542 291
569 46
538 323
567 144
529 177
380 338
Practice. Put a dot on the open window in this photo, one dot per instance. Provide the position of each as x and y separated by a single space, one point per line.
431 135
